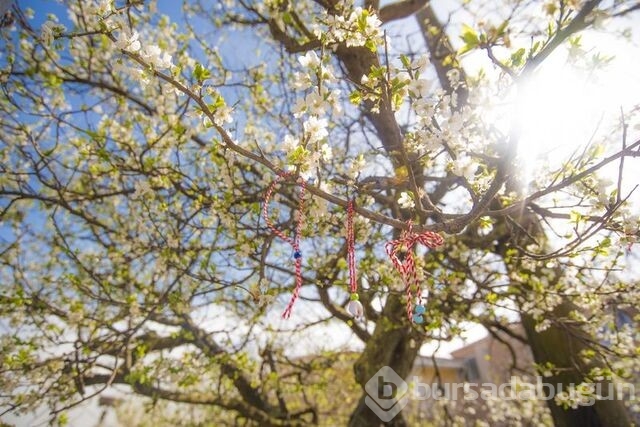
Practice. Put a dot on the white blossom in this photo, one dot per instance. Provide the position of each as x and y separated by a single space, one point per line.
49 30
543 325
421 63
315 129
326 152
406 201
223 115
309 60
419 87
104 7
314 104
128 43
465 166
143 77
358 28
334 101
357 166
302 81
154 56
290 143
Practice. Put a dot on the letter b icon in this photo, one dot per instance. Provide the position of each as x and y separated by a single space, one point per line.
387 388
387 394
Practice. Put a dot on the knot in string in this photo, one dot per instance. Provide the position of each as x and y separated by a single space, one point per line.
407 267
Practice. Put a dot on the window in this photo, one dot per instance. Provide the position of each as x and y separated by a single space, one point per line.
471 371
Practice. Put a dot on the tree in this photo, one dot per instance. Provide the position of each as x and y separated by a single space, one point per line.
138 153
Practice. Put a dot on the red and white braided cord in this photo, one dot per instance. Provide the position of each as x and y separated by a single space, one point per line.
407 268
295 242
351 249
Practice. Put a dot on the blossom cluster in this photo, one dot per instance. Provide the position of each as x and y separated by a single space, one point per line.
317 76
583 394
50 30
320 101
355 27
152 54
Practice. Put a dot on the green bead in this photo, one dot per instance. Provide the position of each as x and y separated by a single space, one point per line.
354 297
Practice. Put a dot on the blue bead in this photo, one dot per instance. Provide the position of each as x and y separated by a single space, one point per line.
418 319
297 254
420 309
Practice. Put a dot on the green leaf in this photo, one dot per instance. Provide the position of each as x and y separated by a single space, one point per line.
103 154
218 102
362 20
517 57
63 419
536 46
485 222
355 97
53 81
370 44
200 73
469 36
492 298
501 29
406 62
287 18
575 217
298 155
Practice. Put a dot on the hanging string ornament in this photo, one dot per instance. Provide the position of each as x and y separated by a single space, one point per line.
407 267
355 306
295 241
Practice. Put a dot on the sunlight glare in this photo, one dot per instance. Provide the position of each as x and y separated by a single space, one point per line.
562 107
558 111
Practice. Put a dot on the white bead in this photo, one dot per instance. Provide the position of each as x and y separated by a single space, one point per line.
356 309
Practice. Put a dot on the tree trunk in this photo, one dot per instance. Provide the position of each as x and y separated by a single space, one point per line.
561 345
392 344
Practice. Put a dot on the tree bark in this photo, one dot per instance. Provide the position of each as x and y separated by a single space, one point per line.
392 344
561 345
440 48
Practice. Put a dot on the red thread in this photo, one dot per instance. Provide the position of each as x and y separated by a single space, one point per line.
407 267
295 242
351 249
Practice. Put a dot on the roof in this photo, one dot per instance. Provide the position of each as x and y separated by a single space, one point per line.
440 362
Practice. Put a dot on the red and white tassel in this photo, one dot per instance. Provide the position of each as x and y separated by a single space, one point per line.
407 267
355 306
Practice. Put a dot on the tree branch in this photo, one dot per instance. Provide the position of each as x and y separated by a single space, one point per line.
401 9
577 24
